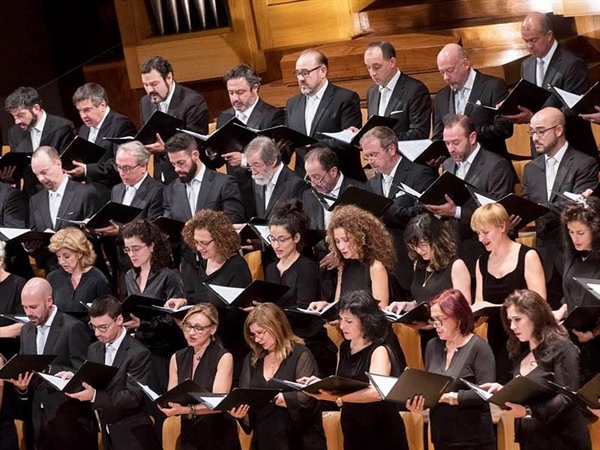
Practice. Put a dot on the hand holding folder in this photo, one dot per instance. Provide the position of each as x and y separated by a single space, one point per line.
520 390
159 123
180 394
353 138
524 94
95 374
369 201
333 384
254 398
22 364
587 395
257 291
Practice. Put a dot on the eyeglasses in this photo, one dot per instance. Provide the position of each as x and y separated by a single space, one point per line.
279 240
305 73
438 321
256 166
421 245
203 244
134 249
372 156
540 132
101 328
258 334
188 327
125 169
314 180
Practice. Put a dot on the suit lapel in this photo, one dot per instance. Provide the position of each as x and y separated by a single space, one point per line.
180 200
45 210
256 116
205 187
119 193
451 108
396 97
563 169
259 199
475 170
477 89
106 126
323 105
555 63
53 334
378 180
373 106
139 199
277 190
63 209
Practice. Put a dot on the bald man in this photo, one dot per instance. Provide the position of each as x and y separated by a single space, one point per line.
58 421
552 65
466 88
323 107
559 168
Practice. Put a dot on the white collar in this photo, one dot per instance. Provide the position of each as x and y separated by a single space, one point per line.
335 192
118 341
50 319
559 155
200 175
393 172
319 95
167 101
548 56
97 127
39 126
473 154
275 177
248 111
61 187
137 185
470 80
392 83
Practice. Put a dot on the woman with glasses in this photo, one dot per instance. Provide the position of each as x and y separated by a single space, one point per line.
208 364
367 421
287 225
77 281
542 351
436 266
505 266
461 419
293 420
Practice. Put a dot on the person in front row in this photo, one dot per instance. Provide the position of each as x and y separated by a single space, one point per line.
461 419
367 421
210 365
293 420
120 406
541 350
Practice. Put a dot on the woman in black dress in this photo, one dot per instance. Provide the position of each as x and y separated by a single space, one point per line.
367 421
77 281
8 432
211 366
293 420
10 303
461 419
542 351
581 230
287 225
505 266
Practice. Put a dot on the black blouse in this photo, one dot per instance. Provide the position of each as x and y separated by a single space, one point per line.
93 284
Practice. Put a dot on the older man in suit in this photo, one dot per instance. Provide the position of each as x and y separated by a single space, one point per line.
487 171
467 92
172 98
34 128
396 94
58 421
552 65
243 84
380 148
323 107
559 168
99 121
120 406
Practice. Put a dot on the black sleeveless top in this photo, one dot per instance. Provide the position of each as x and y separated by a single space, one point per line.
426 285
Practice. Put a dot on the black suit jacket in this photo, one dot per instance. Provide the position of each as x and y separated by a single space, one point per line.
569 72
121 404
186 104
419 177
487 91
263 116
102 175
289 185
492 175
576 173
339 109
70 423
217 191
14 213
409 104
149 197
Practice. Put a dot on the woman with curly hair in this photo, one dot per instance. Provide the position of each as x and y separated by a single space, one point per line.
541 350
364 253
293 420
581 233
77 281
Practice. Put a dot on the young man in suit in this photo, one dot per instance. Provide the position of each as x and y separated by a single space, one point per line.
59 423
396 94
552 65
243 84
380 148
34 128
488 172
467 91
172 98
125 423
559 168
323 107
99 121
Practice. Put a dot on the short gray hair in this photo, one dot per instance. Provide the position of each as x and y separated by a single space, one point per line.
269 152
137 150
92 91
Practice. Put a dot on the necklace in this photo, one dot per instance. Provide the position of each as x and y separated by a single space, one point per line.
427 277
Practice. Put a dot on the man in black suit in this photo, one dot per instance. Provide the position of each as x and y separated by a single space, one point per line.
272 181
559 168
33 128
322 172
552 65
488 172
120 406
243 84
396 94
323 107
62 198
380 148
58 421
172 98
467 92
99 121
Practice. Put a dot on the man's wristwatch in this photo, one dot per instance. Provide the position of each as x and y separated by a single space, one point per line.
339 402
